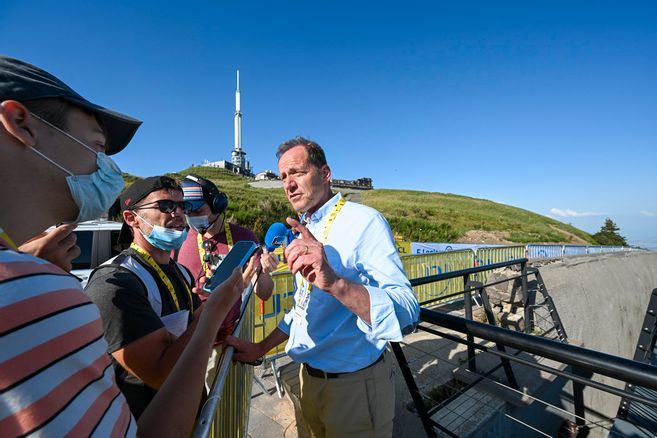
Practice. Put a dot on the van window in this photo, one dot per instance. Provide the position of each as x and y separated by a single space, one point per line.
114 242
85 240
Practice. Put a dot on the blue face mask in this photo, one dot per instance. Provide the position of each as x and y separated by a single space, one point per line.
166 239
95 193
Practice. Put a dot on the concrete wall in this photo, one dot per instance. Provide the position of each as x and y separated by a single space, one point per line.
602 300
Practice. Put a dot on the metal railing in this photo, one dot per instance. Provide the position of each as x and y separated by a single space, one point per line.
500 253
581 363
423 265
535 251
225 412
270 313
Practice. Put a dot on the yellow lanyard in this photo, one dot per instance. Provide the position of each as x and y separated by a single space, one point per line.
201 250
331 218
148 259
327 229
4 236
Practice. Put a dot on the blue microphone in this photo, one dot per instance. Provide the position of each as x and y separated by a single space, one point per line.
278 235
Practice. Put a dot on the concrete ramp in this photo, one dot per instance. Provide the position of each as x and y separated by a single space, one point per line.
602 300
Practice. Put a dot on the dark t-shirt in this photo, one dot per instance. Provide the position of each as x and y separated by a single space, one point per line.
127 315
189 257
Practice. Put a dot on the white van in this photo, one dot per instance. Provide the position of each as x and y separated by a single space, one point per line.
96 240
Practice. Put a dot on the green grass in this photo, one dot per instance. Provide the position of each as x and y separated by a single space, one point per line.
253 208
413 215
447 217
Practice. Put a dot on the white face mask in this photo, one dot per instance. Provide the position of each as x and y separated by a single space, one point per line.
198 223
94 193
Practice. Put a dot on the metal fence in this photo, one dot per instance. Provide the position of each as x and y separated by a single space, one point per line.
225 412
270 312
544 251
489 256
424 265
547 251
492 255
574 250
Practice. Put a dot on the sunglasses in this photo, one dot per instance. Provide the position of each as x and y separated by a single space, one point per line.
167 206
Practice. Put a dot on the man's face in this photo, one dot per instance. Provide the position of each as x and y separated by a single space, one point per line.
306 186
152 214
65 151
203 211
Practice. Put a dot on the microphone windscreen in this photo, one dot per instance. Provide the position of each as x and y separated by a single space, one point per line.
277 234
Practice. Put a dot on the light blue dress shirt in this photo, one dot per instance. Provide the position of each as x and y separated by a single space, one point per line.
360 248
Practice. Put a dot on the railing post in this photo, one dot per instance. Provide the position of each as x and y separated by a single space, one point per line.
508 370
413 389
525 298
578 399
467 298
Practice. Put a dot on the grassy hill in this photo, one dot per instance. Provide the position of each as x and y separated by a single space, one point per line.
413 215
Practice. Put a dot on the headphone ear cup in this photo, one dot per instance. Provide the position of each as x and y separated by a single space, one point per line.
219 203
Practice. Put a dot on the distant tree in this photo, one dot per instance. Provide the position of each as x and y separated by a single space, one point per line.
608 234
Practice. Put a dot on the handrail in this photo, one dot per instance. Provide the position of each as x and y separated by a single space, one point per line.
582 358
462 272
208 411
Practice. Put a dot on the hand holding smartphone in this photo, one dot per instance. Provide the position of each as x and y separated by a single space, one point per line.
238 256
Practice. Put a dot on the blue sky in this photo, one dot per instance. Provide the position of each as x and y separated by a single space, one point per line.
549 106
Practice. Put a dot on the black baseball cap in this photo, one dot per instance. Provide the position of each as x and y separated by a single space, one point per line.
23 82
138 191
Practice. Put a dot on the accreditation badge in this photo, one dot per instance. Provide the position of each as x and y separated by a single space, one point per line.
301 299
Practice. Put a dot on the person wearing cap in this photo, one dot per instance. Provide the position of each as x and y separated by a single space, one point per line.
211 237
352 298
55 373
145 298
209 240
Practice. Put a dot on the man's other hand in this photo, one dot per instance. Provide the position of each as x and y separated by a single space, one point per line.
57 246
245 351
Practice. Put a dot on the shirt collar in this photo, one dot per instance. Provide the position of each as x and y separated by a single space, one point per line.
321 211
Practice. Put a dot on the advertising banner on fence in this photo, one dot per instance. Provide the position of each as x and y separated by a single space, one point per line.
434 247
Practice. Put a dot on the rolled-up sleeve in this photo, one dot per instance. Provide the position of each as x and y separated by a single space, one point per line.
394 309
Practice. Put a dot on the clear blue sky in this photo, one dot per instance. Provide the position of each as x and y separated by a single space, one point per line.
549 106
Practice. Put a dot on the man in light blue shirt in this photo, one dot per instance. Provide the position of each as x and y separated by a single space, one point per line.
352 297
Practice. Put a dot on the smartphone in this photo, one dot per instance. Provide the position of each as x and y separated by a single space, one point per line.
236 257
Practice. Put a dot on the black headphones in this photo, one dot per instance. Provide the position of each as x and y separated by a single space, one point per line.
216 199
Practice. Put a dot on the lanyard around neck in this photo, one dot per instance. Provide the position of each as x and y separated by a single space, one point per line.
5 237
167 282
331 218
327 229
201 250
